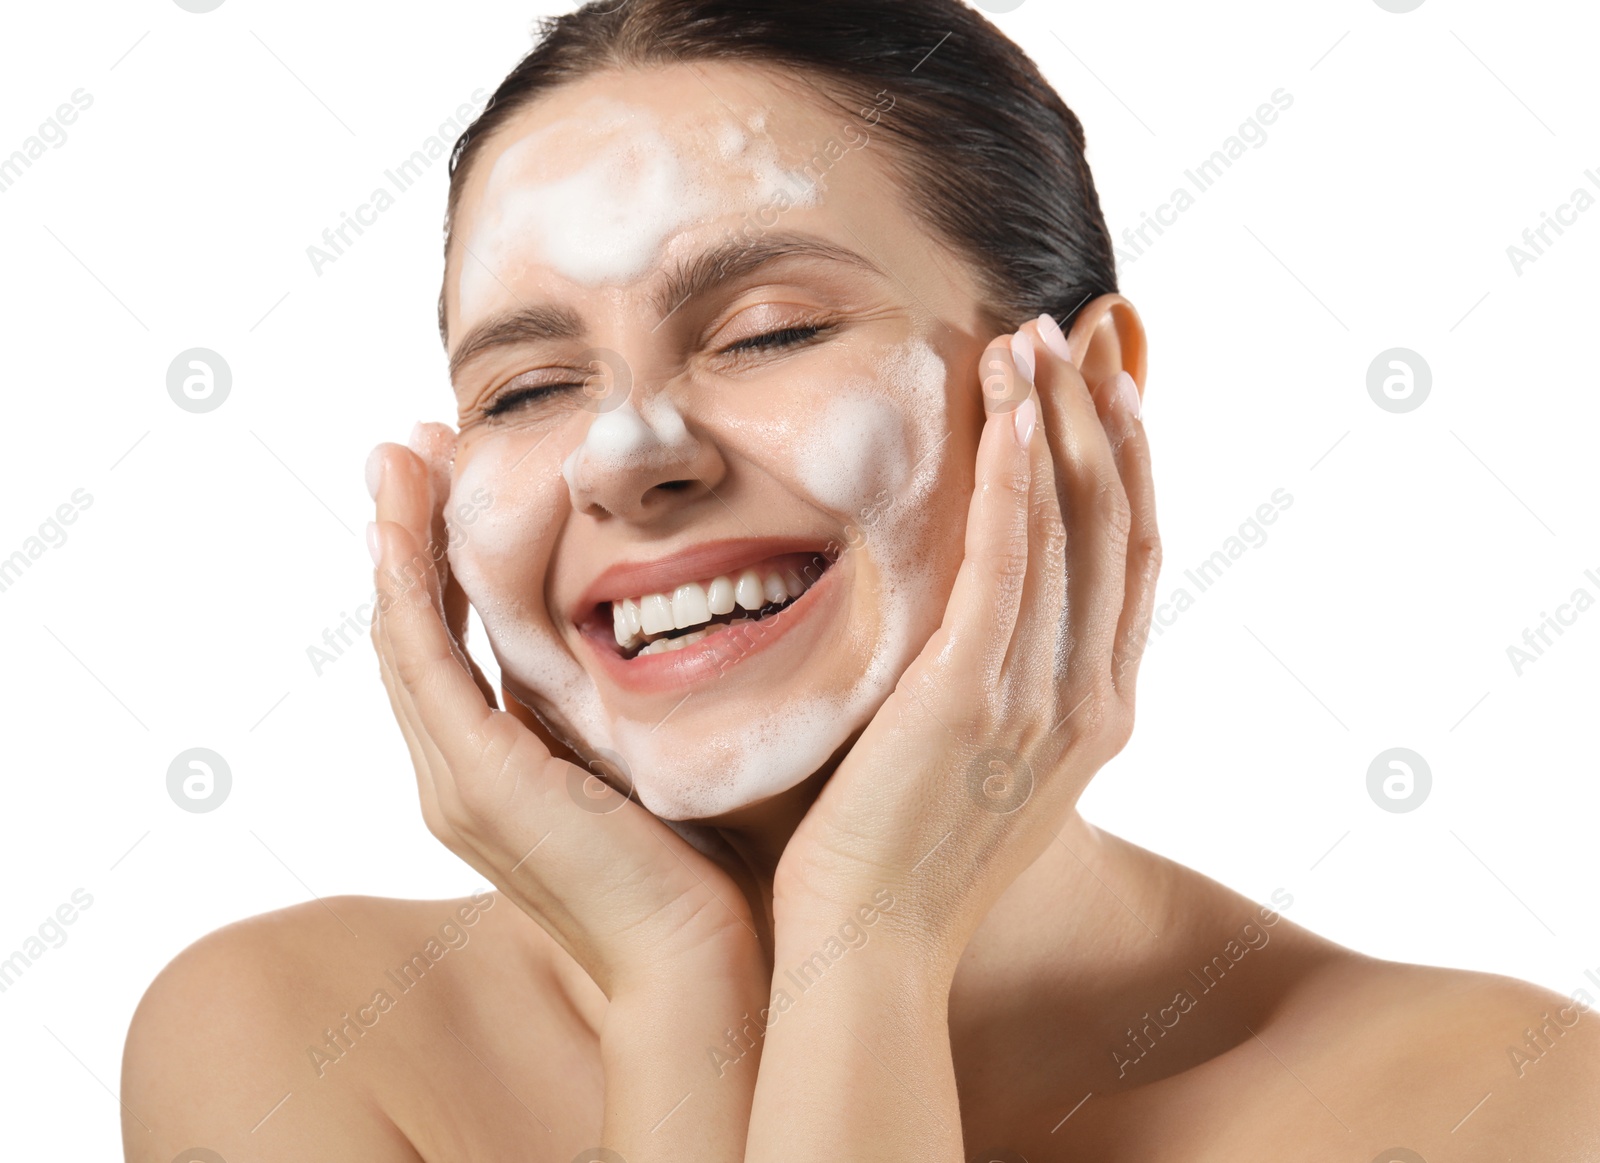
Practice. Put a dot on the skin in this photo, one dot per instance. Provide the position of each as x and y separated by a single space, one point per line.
983 1003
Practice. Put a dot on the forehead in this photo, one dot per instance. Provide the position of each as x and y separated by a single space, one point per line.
597 181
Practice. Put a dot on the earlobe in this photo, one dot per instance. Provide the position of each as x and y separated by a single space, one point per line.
1108 337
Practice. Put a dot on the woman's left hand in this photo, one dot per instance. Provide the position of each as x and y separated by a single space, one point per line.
974 761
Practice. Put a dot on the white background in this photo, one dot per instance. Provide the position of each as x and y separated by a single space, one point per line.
218 547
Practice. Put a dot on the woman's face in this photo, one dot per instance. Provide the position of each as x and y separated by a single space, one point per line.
705 360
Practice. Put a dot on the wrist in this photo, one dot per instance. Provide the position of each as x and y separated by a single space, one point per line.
730 961
692 1017
879 939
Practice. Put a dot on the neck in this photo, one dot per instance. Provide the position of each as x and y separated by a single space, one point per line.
1088 892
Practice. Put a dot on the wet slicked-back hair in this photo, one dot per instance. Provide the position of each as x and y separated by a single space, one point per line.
985 151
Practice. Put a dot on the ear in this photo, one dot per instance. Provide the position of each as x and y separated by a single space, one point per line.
1108 337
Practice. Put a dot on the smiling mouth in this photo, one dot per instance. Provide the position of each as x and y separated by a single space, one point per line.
669 620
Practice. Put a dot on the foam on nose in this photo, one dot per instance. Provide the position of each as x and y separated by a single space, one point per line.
624 440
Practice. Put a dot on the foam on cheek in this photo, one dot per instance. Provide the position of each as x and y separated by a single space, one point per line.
864 451
896 528
870 457
492 557
874 446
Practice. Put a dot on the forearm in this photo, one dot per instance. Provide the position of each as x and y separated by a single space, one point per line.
668 1097
857 1061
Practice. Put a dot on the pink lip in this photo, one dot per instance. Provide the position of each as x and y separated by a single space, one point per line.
714 654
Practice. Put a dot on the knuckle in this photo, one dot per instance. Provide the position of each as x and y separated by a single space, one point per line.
413 669
1111 506
1098 721
1053 540
1118 728
1150 551
482 790
1015 486
438 826
1008 565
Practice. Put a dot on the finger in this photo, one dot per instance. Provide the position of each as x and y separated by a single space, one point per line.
1095 508
456 608
422 759
435 446
1031 656
482 757
1131 448
981 615
425 758
448 706
405 497
530 719
413 491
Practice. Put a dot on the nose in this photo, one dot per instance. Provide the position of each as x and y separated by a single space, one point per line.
636 463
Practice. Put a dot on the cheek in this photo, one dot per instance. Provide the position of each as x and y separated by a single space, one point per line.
856 456
503 505
860 442
878 455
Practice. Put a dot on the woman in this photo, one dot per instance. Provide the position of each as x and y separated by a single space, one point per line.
800 484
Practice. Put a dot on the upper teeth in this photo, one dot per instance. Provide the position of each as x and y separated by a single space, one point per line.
694 602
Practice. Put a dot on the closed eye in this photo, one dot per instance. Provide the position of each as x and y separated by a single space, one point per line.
770 341
514 399
786 337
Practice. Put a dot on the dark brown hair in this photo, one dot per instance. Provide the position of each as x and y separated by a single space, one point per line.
988 154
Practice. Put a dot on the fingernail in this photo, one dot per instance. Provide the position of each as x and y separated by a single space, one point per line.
1022 420
1050 331
1022 351
374 546
1128 394
375 471
415 440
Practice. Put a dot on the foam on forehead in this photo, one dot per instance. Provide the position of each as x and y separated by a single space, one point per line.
597 196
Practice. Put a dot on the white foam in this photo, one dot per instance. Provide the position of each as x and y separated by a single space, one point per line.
608 219
490 558
864 452
880 435
860 445
625 441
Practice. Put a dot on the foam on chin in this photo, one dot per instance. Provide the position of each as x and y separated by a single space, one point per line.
870 457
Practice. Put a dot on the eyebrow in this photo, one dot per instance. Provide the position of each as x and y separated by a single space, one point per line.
524 325
737 258
689 278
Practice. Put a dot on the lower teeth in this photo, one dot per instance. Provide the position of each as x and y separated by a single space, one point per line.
667 645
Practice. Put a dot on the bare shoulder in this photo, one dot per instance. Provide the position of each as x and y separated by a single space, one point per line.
1472 1065
310 1031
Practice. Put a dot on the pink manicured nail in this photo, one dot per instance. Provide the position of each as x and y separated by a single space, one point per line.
1128 394
1022 351
375 471
1023 420
1050 331
374 546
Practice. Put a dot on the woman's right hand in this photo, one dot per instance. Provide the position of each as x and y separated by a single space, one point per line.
626 896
